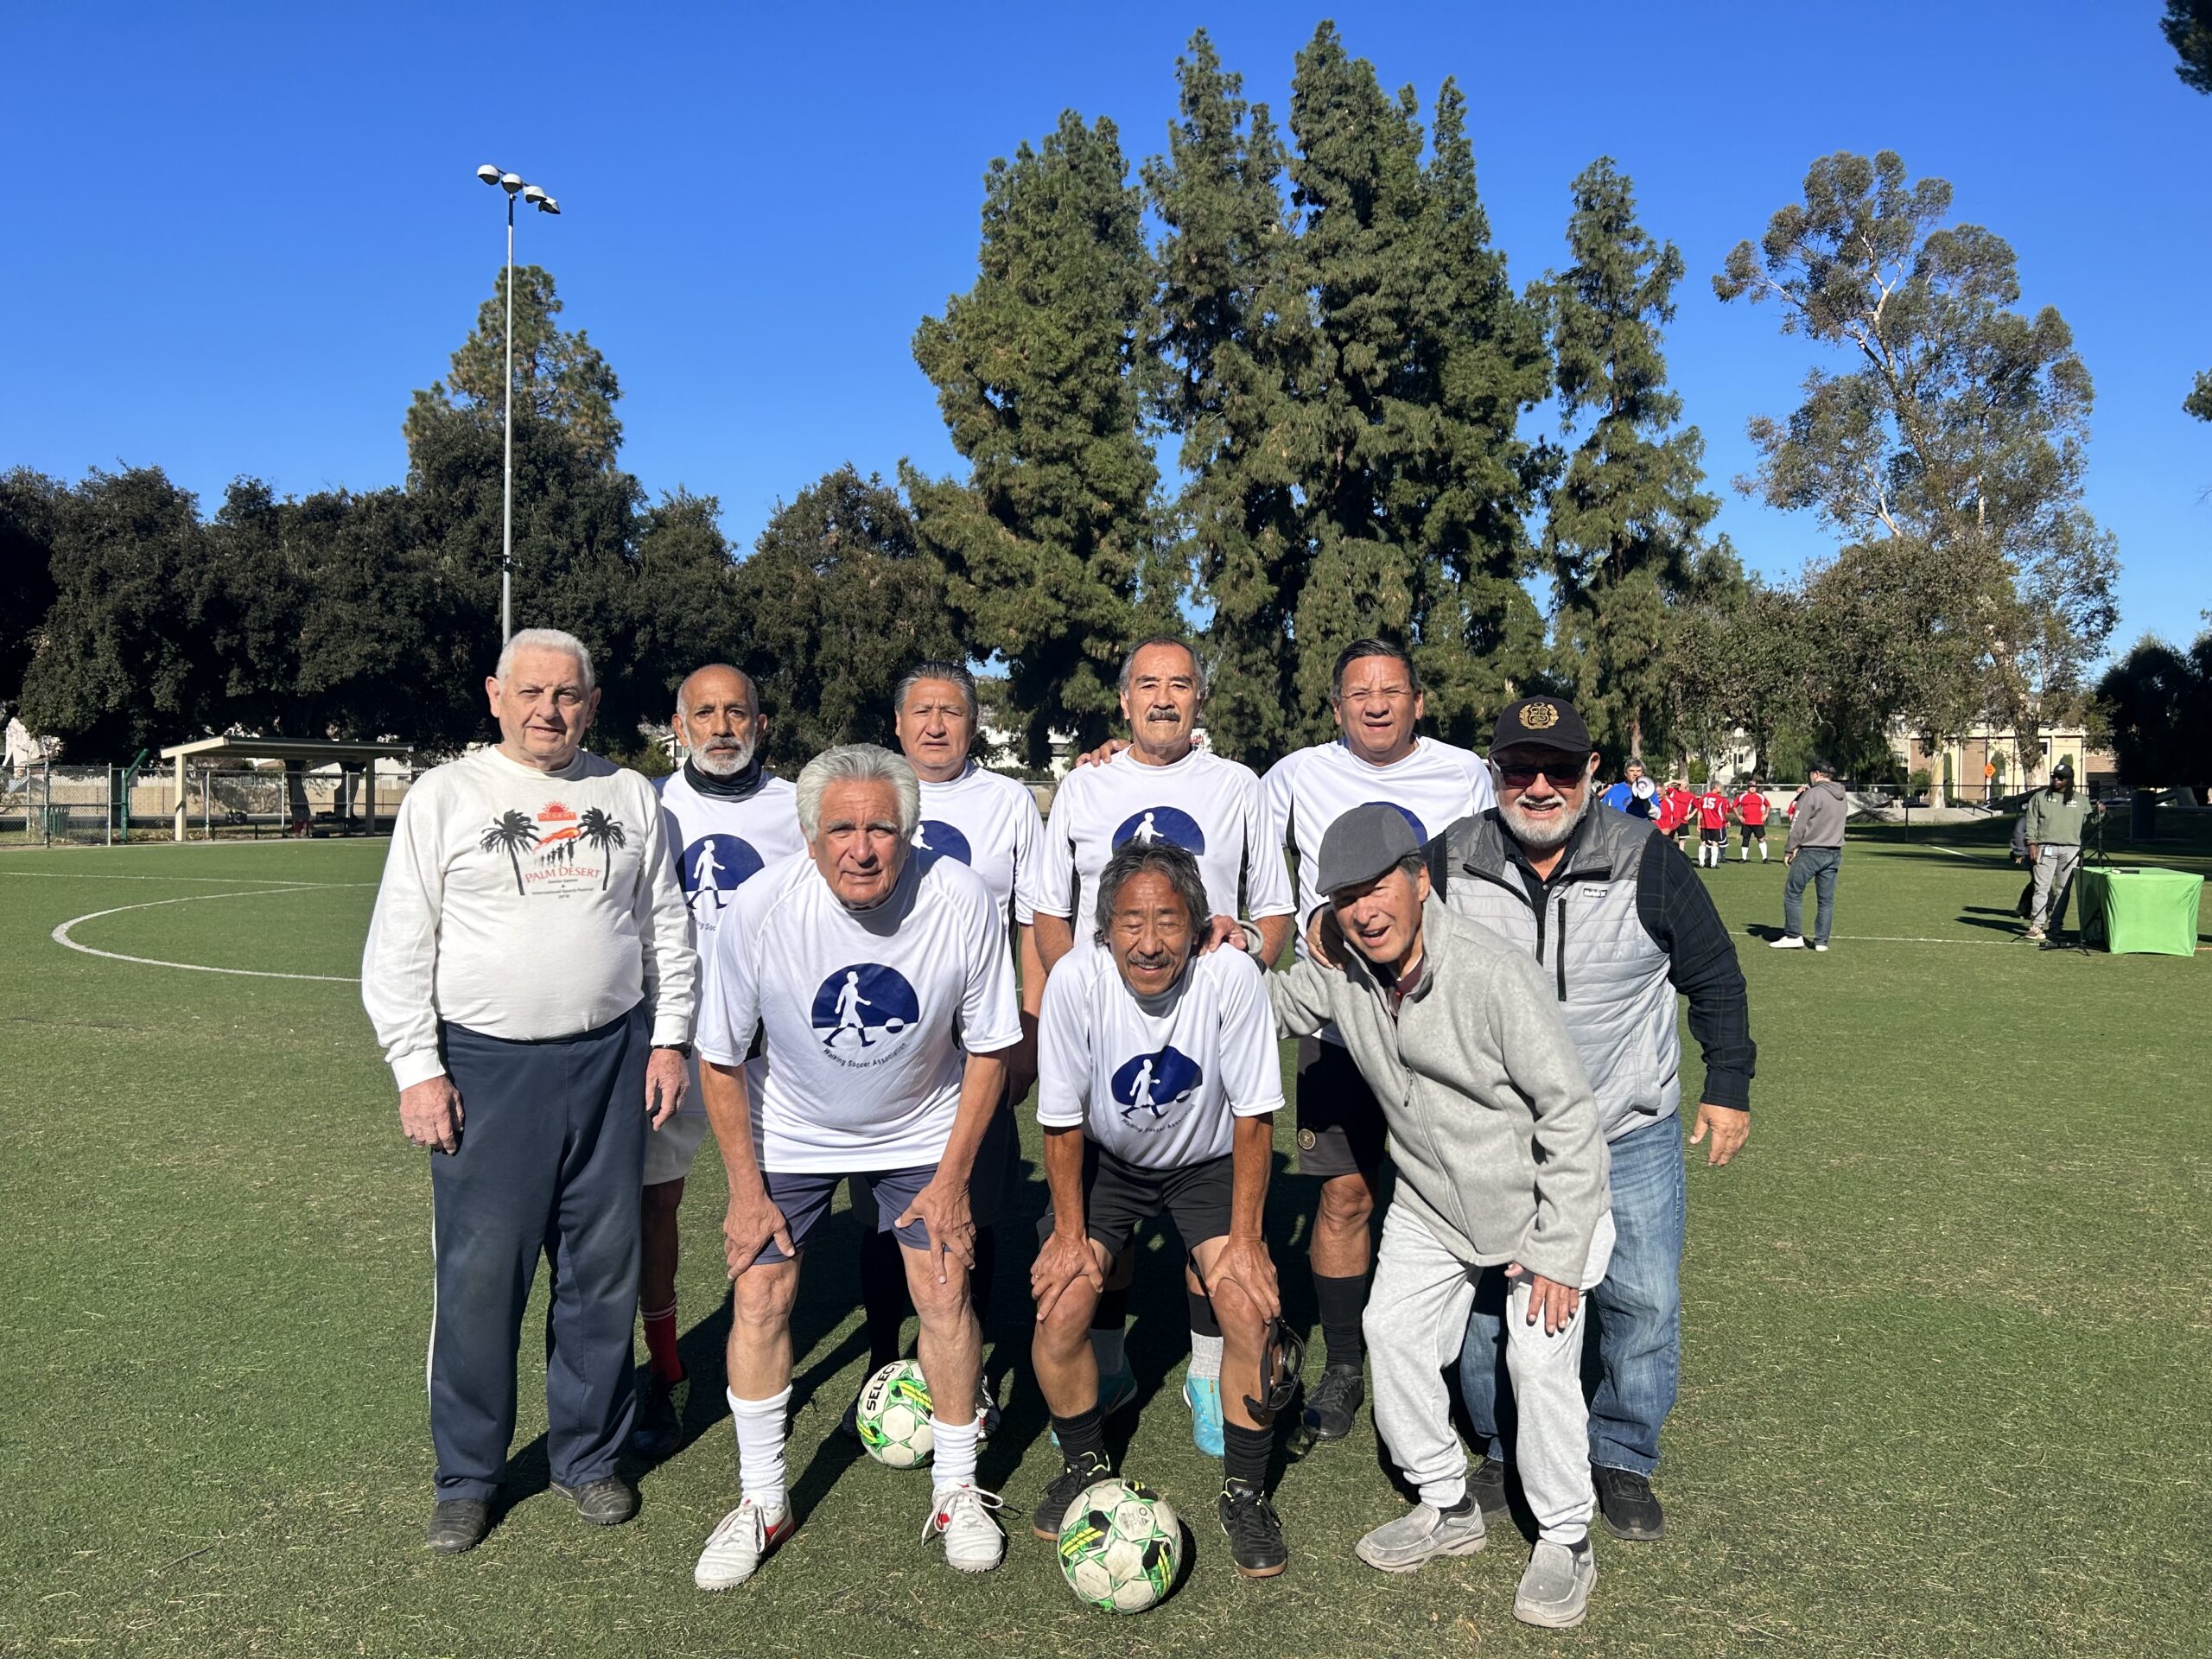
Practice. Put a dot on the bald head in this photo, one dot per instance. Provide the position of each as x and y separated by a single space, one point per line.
718 718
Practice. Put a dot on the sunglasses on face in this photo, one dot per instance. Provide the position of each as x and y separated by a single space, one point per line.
1563 774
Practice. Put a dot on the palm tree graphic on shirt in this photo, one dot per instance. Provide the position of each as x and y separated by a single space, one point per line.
603 832
510 832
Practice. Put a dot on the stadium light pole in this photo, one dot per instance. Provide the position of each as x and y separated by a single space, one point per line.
512 184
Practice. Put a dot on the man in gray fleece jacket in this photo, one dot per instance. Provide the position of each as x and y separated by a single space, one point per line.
1813 853
1501 1172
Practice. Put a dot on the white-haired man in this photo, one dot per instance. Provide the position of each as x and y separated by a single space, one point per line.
1376 702
531 975
728 818
1163 787
885 997
989 823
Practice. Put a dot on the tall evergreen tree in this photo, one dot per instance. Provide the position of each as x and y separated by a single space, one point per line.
560 376
1228 329
1420 359
30 505
1054 548
838 599
1625 518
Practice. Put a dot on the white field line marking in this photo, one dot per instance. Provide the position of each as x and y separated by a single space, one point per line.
1971 858
72 875
60 935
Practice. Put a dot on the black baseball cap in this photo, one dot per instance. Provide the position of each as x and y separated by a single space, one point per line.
2064 769
1541 723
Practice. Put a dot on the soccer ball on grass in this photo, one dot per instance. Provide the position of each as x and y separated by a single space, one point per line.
1121 1545
894 1416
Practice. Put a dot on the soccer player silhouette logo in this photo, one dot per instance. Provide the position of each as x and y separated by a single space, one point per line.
935 839
859 1007
1150 1086
711 869
1158 823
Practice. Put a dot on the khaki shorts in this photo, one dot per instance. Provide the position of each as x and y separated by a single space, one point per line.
670 1149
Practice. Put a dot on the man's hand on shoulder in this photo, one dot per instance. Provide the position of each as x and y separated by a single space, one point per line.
429 1113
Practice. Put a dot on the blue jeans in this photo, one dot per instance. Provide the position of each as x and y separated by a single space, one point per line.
1817 865
1636 1337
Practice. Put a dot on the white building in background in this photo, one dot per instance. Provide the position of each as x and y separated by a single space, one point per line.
1987 765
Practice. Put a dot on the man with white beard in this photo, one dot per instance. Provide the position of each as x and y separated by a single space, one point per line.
1621 927
727 817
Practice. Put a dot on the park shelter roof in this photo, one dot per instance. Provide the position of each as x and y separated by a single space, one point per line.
313 751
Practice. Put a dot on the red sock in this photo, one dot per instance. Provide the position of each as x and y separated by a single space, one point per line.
660 1344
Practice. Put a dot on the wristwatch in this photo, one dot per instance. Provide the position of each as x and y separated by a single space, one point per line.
684 1049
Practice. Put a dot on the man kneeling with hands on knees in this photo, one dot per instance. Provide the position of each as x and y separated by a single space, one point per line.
1157 1083
1501 1172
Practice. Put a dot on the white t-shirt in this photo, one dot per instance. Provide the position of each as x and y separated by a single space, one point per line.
1435 786
724 842
1156 1083
1206 805
867 1015
525 904
989 823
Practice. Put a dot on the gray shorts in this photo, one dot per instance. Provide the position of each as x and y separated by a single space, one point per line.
880 1196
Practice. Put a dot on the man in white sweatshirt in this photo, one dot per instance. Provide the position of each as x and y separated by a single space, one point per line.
530 976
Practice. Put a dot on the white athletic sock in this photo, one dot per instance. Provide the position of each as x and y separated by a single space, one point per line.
1205 1358
1106 1347
954 1461
761 1425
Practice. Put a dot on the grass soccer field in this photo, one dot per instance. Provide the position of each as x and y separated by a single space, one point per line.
1948 1340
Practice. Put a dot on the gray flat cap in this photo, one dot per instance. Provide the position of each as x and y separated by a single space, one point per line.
1362 844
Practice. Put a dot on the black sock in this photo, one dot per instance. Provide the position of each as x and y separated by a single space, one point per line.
1341 1302
1203 1323
1084 1433
883 1295
986 1271
1244 1456
1112 1312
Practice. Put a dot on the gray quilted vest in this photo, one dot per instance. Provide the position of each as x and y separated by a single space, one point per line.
1609 973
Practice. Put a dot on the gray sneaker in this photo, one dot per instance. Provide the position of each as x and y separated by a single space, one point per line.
1421 1534
1555 1592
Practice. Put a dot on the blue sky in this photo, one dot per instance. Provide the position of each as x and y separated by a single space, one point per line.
242 235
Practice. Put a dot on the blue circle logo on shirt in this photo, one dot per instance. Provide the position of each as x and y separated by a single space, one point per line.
934 839
1158 823
713 866
1150 1086
1421 829
862 1007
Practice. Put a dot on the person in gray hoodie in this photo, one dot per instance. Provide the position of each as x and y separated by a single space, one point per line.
1502 1176
1813 853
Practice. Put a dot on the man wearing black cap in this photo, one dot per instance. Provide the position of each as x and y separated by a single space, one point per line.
1620 926
1501 1192
2051 823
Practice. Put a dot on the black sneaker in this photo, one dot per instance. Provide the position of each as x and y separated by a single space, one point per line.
1255 1532
658 1431
1626 1500
1487 1487
607 1502
457 1524
1075 1474
1334 1401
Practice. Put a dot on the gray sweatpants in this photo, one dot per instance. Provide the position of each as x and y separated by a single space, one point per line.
1416 1316
2054 868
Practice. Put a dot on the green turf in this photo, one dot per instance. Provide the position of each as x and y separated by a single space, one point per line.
1948 1366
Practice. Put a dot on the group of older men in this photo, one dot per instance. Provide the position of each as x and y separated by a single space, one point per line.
876 961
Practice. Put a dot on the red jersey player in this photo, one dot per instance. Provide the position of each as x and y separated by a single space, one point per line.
1750 813
1712 826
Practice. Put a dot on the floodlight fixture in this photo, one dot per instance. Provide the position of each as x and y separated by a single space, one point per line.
532 193
511 183
547 204
488 173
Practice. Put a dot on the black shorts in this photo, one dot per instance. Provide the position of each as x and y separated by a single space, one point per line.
1340 1126
1118 1197
1753 832
1716 837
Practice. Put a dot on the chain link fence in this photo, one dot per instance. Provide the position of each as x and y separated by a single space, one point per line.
96 806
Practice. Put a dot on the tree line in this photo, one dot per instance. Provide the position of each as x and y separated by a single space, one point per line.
1372 430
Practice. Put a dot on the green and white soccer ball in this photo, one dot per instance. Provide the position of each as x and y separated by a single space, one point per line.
1121 1545
894 1416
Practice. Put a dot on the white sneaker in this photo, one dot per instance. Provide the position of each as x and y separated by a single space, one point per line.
1786 941
1820 947
735 1548
974 1540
